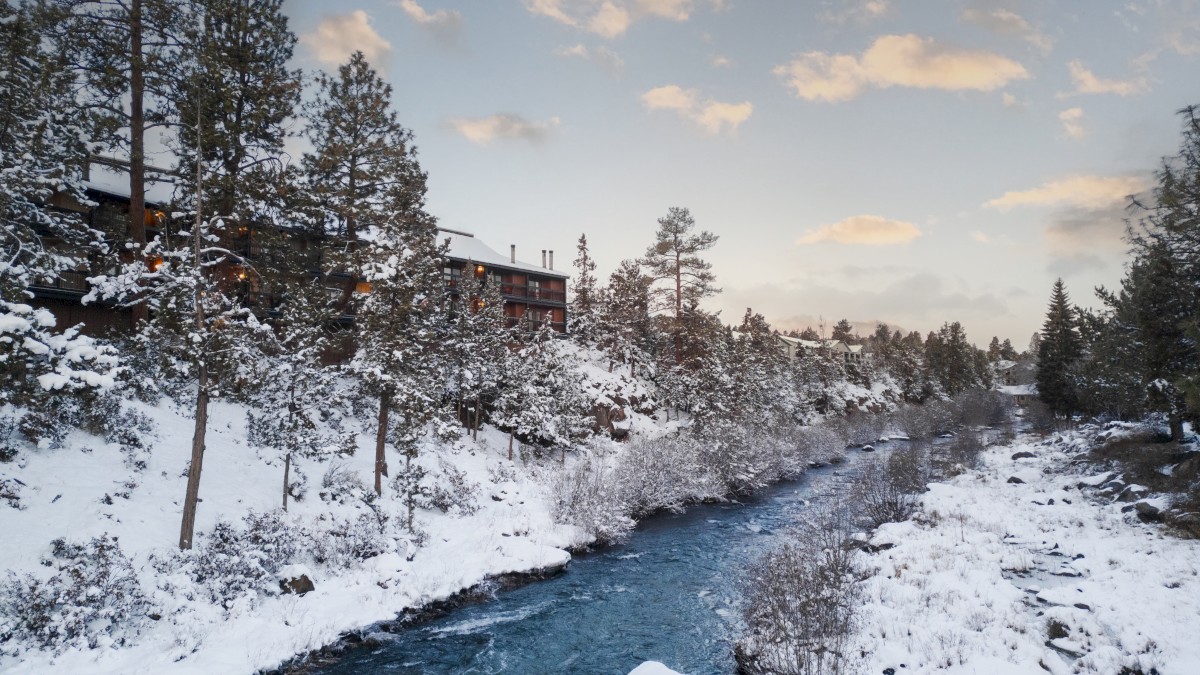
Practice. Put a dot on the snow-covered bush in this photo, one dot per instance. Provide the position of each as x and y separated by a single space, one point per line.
233 563
664 473
914 421
861 428
342 543
740 459
801 601
889 494
589 497
341 484
92 600
453 491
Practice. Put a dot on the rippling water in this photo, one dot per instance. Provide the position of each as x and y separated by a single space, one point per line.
669 594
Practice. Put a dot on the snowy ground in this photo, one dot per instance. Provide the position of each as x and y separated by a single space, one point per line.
85 489
1044 575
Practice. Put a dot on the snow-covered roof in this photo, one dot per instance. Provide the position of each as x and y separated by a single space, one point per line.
1019 389
465 246
109 180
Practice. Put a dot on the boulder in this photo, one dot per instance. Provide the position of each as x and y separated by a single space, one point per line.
1014 480
1133 493
868 448
1023 455
298 585
1147 512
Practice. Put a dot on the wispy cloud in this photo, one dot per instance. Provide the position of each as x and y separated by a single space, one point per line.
602 56
719 61
980 237
484 130
858 11
1092 192
611 18
1007 22
444 24
710 115
897 61
1072 126
866 230
335 38
1086 82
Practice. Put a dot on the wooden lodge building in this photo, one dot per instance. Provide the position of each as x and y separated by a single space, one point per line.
538 293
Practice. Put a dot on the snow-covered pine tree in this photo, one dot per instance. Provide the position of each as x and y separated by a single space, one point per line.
674 261
127 55
625 322
475 347
363 162
584 302
41 157
1058 350
292 388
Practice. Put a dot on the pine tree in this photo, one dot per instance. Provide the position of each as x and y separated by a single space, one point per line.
843 330
1059 349
127 54
476 347
625 317
239 84
41 157
675 258
584 306
363 162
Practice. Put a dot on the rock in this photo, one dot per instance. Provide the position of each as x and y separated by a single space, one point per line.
1080 605
1133 493
1014 480
1023 455
1147 512
876 548
868 448
298 585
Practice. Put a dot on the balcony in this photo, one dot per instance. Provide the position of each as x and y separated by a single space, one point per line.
523 292
70 284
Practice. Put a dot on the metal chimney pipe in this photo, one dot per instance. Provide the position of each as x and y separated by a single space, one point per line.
512 255
552 259
543 258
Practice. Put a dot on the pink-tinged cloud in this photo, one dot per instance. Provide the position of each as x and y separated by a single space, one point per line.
335 38
897 61
1088 192
864 230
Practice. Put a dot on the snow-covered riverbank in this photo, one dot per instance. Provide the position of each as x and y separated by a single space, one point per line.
1022 567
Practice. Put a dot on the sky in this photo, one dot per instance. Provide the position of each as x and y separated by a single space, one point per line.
911 162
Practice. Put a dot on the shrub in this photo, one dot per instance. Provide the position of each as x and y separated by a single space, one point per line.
889 494
801 600
233 563
588 497
342 543
661 474
92 600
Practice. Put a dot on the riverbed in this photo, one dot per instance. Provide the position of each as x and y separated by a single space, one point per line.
669 594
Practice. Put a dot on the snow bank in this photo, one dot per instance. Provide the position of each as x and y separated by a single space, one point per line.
1044 575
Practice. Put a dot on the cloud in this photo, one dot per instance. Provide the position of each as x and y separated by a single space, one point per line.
710 115
602 56
1070 121
719 61
611 18
1090 192
484 130
335 38
1007 22
897 61
1086 82
980 237
1011 101
858 11
868 230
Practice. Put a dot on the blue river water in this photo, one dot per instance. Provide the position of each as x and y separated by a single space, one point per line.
669 594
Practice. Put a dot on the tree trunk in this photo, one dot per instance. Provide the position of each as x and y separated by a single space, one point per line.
287 467
188 527
475 431
411 498
380 438
510 443
137 146
678 310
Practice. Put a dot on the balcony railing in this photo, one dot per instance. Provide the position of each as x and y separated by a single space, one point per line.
532 293
66 283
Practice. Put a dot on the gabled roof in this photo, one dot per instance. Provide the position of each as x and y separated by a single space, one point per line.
464 246
105 177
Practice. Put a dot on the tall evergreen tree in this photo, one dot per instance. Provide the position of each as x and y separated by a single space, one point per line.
584 306
128 56
674 258
1059 349
41 158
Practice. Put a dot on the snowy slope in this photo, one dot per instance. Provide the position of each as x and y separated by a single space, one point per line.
1043 575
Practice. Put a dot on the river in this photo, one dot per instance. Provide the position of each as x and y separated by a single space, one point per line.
669 594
